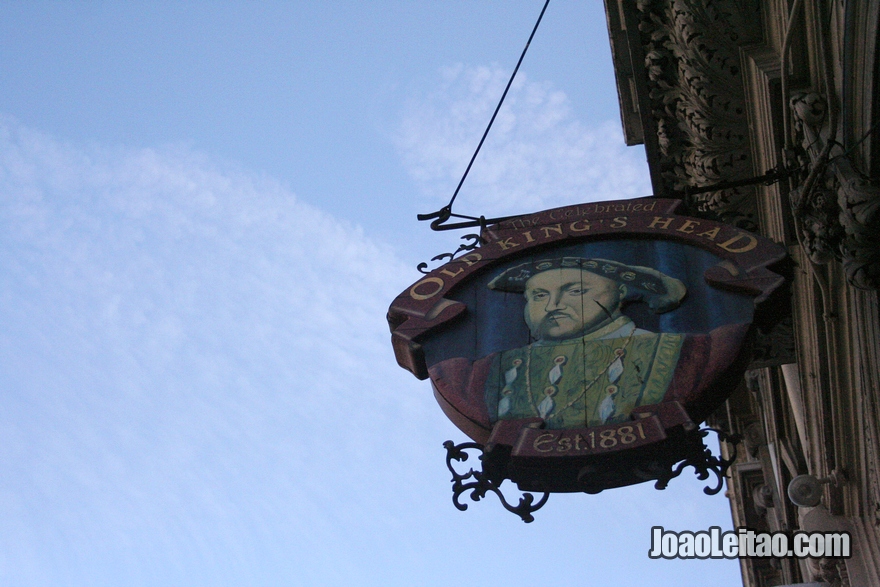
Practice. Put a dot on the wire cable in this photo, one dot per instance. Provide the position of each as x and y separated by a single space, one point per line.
447 210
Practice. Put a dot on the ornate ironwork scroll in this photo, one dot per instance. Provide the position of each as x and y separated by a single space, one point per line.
483 484
480 482
476 241
703 461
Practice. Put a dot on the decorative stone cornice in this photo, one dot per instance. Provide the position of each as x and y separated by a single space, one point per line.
696 100
692 111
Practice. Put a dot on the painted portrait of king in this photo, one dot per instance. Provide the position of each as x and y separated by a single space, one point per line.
587 363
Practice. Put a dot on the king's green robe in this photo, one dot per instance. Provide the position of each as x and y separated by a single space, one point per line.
580 374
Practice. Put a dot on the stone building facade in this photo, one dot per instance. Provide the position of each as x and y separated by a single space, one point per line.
764 114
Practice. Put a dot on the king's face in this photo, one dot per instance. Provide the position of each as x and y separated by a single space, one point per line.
570 302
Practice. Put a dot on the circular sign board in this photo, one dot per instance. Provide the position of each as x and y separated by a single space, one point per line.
579 345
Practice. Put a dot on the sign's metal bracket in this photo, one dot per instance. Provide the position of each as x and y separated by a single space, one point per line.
441 217
772 176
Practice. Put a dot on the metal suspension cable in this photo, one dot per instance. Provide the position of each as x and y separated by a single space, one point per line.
444 213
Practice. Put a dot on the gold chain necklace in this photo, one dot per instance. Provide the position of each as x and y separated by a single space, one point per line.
585 389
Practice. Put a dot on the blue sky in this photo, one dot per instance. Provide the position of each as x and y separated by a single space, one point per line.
206 209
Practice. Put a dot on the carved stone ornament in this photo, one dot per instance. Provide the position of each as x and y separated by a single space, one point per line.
697 101
839 217
830 570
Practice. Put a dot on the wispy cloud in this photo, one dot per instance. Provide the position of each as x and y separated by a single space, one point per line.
538 154
189 358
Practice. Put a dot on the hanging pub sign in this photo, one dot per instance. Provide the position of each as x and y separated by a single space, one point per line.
579 347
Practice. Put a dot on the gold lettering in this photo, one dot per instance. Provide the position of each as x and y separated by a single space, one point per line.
626 434
425 296
450 273
506 243
619 222
528 235
711 234
687 227
467 258
664 222
751 244
563 444
608 439
542 440
557 228
577 442
573 226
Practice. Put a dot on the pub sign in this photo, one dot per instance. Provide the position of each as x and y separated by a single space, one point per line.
579 347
